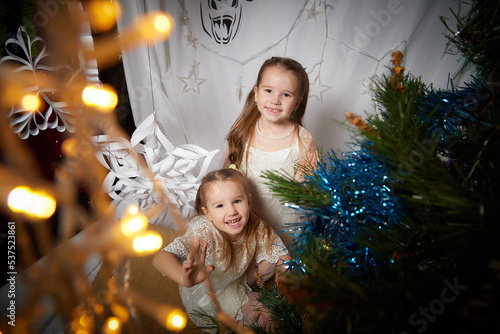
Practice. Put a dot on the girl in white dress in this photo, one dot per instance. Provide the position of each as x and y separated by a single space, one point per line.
269 135
229 242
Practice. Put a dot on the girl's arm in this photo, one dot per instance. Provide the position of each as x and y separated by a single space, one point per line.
168 265
191 273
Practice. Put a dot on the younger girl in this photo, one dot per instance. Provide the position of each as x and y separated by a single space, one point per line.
234 242
269 135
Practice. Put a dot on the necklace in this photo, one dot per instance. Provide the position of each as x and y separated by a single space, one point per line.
277 139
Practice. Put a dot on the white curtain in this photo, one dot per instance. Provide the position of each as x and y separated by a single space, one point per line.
196 82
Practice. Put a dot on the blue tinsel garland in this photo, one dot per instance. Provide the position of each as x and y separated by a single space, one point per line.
448 111
360 198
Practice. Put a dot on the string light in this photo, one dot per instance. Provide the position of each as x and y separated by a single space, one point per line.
133 209
157 25
84 318
69 147
30 102
36 204
119 311
176 320
147 243
162 23
104 14
133 222
112 325
102 98
172 318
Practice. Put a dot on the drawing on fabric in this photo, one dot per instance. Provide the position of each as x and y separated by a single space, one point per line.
221 19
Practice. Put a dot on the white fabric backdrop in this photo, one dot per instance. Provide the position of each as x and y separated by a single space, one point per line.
196 87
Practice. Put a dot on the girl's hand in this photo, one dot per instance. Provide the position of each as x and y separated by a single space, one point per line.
195 271
263 319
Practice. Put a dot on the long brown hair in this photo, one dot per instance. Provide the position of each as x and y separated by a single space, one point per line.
224 175
243 127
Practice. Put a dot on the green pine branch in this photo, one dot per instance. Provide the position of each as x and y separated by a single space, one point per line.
476 35
289 190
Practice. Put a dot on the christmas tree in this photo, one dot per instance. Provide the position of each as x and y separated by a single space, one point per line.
400 235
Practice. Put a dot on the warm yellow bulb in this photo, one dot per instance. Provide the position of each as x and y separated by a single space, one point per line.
30 102
176 320
133 224
86 320
155 26
37 204
112 325
44 205
103 98
120 311
69 147
88 93
147 243
133 209
17 199
104 14
162 23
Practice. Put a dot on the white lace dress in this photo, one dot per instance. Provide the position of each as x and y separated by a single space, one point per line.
281 218
230 287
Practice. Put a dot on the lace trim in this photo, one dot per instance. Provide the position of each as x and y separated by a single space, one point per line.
239 315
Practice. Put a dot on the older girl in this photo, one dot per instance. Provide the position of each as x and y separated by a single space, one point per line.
269 135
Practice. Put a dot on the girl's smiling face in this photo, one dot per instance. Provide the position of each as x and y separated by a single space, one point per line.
277 95
228 207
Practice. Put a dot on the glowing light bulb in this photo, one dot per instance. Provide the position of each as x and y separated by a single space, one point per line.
30 102
133 221
43 205
176 320
162 23
133 224
36 204
16 200
69 147
87 94
103 98
133 209
155 26
104 14
86 320
147 243
120 311
112 325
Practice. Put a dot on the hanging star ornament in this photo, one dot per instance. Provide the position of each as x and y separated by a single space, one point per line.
313 12
317 86
192 81
191 40
369 88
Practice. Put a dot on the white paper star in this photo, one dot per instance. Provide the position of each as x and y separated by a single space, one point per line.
192 81
313 12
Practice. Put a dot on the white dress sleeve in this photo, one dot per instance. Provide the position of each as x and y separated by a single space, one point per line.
272 251
196 229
